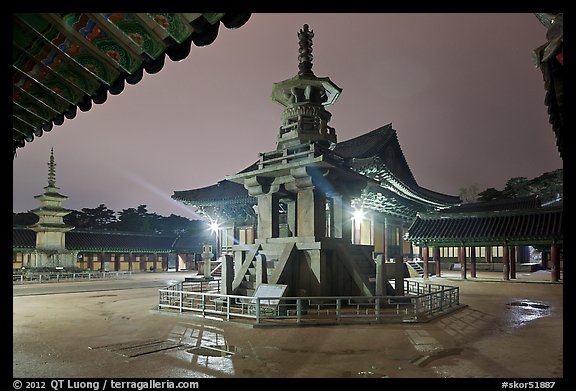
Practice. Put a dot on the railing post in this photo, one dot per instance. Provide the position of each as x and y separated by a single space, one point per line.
377 310
227 307
442 299
338 309
257 310
298 310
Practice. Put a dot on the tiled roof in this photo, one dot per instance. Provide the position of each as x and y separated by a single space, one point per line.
496 205
223 191
110 241
526 226
23 237
67 61
381 143
84 240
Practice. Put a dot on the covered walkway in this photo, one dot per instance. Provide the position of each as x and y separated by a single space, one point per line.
506 228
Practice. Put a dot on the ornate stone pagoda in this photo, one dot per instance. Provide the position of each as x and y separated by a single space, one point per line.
305 198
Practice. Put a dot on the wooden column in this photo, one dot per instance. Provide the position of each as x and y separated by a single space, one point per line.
555 259
165 262
473 262
462 256
399 275
544 260
437 262
488 254
386 236
513 262
505 262
401 239
425 258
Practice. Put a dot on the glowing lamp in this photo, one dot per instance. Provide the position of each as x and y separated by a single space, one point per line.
213 226
359 215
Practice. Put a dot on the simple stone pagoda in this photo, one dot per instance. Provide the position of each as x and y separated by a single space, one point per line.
50 228
314 186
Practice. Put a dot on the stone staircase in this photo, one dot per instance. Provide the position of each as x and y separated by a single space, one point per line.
361 266
274 257
416 266
363 259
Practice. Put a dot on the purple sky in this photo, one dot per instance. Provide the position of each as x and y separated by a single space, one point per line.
461 91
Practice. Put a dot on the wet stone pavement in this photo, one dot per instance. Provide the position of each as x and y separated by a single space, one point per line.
508 329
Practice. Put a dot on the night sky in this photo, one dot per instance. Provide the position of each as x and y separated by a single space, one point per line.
461 90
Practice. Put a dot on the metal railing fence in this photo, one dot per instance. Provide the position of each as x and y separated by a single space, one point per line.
421 302
29 277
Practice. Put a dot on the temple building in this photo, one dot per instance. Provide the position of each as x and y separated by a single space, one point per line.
314 213
493 235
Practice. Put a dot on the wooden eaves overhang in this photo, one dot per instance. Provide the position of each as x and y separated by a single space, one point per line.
378 155
62 62
223 201
393 196
549 57
536 226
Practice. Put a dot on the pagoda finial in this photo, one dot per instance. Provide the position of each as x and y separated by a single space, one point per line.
305 57
51 169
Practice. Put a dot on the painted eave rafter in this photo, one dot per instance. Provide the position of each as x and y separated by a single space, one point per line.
62 62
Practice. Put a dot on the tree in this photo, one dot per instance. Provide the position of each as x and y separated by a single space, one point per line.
128 220
469 194
174 224
92 218
137 220
517 187
24 219
549 185
490 194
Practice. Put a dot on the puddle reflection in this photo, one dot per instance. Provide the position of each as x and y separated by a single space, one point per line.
208 349
523 311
